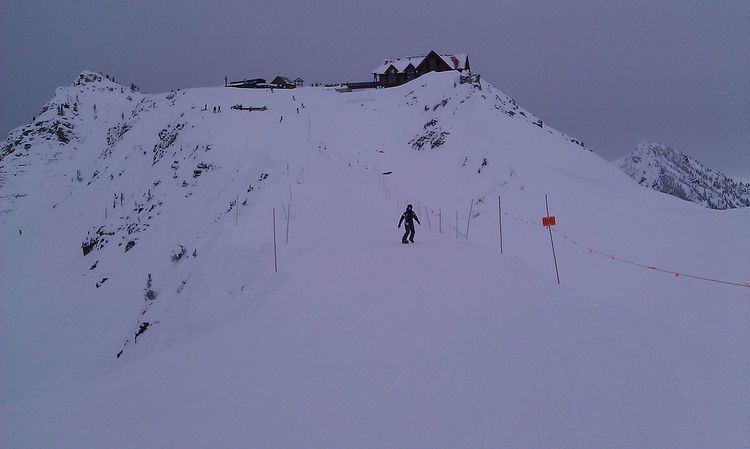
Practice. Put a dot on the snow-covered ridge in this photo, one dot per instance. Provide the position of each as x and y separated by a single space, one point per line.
670 171
71 117
62 126
138 294
128 166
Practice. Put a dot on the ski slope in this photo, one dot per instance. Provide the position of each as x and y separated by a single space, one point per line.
358 340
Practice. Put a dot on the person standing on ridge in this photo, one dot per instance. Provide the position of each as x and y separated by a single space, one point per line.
408 218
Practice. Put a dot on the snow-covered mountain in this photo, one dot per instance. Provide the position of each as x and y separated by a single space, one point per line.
670 171
141 306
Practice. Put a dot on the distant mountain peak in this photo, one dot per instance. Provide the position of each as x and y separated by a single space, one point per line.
671 171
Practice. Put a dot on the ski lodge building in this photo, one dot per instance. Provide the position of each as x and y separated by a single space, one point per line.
394 72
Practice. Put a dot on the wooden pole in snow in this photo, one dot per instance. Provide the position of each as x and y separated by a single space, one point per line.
552 242
500 222
456 224
428 217
288 217
471 209
440 225
275 265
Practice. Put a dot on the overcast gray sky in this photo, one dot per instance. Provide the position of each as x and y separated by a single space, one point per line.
611 73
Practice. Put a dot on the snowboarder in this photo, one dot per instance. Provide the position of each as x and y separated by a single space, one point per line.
408 218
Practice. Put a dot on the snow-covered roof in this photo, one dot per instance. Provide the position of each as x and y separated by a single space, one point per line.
457 62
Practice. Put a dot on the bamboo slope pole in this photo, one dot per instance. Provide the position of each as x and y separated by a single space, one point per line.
275 264
552 242
500 222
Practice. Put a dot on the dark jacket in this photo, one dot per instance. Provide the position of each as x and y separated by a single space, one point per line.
409 216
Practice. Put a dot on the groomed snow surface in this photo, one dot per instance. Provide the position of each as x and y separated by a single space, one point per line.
358 340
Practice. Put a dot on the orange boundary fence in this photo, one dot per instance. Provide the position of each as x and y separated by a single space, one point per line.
591 250
615 258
